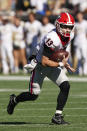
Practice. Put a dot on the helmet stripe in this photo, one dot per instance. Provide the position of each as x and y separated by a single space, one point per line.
69 22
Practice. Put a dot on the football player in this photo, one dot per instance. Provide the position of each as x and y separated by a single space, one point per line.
18 43
6 45
32 33
57 39
46 26
80 43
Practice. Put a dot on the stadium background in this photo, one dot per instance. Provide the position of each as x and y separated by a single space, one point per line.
36 116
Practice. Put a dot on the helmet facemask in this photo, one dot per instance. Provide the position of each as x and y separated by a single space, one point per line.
64 29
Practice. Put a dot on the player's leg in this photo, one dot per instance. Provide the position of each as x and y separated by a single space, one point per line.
84 58
62 81
76 56
14 100
23 58
16 59
4 59
34 90
11 58
61 101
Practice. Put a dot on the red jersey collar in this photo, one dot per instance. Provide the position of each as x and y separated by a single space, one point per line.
64 40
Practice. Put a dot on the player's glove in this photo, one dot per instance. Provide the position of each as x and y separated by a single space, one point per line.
30 67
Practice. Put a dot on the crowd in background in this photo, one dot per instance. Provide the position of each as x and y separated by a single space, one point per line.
24 22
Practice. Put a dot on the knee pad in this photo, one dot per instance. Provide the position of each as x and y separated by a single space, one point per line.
36 89
62 77
65 86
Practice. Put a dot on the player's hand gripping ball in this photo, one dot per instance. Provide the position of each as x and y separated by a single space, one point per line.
58 56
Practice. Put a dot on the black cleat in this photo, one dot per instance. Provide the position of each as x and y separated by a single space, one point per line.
11 105
58 119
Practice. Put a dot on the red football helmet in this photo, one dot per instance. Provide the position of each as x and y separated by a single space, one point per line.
64 24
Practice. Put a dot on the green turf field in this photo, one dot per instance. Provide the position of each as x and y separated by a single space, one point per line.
36 116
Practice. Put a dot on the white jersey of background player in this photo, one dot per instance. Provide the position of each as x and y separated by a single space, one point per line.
46 26
18 43
80 42
32 29
18 35
6 45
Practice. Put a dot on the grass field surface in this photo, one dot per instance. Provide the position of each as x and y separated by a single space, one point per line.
36 116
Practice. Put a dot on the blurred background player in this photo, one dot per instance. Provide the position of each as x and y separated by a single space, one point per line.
80 43
40 6
18 43
6 45
32 32
46 26
56 39
0 44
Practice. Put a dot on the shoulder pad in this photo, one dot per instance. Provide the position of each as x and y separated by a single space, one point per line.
52 39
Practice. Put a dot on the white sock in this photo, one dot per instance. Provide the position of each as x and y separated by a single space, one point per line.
58 112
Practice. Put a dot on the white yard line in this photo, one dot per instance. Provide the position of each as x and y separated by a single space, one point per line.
45 109
41 109
16 117
50 94
17 78
46 125
27 78
48 103
2 89
10 90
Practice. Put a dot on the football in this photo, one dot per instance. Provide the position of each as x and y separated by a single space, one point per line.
59 55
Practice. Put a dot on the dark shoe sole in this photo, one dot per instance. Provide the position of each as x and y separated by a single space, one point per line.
56 123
